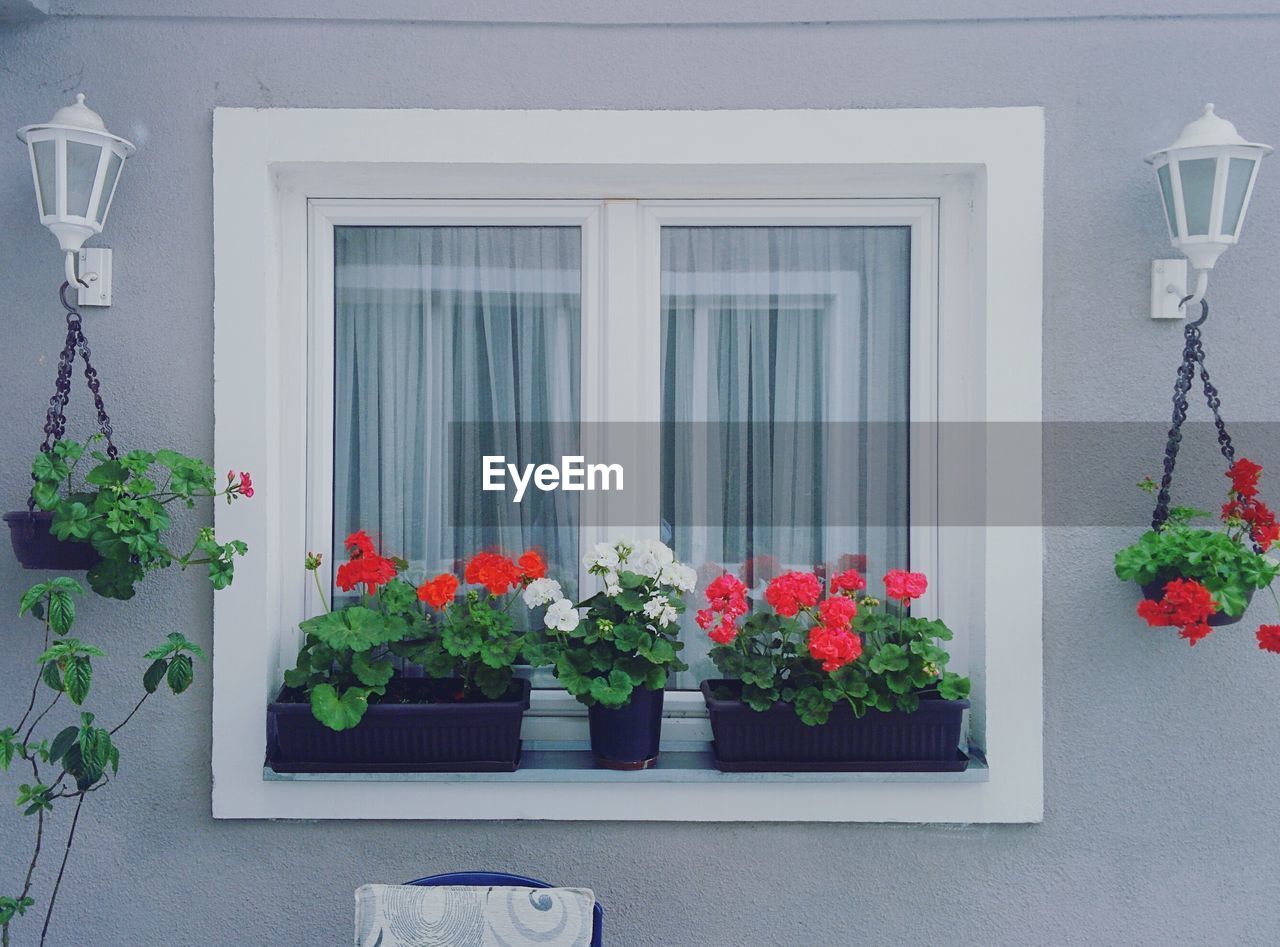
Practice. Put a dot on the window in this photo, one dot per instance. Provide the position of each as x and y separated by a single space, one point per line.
795 295
784 352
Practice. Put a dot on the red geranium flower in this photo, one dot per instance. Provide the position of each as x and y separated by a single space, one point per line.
834 647
838 611
1185 605
359 544
1244 475
496 573
903 586
726 600
1194 632
727 596
532 565
1269 638
440 591
792 591
850 580
370 571
724 632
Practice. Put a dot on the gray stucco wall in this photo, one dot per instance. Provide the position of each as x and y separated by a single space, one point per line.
1161 763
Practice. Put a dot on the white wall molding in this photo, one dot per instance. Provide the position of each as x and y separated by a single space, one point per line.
665 12
268 162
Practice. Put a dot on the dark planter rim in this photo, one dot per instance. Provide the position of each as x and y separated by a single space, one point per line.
927 701
455 707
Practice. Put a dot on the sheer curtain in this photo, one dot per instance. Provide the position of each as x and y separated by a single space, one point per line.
452 343
785 397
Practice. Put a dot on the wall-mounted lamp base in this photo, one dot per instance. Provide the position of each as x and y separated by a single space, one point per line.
1168 287
94 266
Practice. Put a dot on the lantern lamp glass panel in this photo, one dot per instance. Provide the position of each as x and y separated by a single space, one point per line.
1166 191
46 158
1239 173
82 170
108 187
1197 193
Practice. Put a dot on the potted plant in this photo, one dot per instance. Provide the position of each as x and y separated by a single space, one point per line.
1196 578
617 659
830 681
346 707
111 519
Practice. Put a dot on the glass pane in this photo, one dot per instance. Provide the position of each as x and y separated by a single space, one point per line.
452 343
1197 193
1238 173
47 172
785 354
1166 191
108 187
82 168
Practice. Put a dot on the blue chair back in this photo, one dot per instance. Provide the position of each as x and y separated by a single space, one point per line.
500 879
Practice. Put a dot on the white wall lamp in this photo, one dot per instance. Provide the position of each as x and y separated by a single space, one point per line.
1206 179
76 163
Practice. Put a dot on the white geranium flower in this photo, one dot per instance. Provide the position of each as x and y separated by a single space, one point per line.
660 611
679 576
611 584
648 558
561 615
601 557
542 592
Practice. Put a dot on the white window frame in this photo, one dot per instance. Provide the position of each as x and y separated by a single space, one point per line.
979 171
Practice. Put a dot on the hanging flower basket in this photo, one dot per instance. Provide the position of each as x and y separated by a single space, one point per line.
1196 578
35 546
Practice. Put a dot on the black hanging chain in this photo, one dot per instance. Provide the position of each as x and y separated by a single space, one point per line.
1192 358
55 423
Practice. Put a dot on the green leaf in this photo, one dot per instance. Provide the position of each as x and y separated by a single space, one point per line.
375 674
49 468
32 596
8 747
629 601
953 687
180 673
114 578
890 657
62 611
108 474
493 682
62 742
615 691
630 580
154 674
52 677
339 712
72 521
76 677
174 643
354 628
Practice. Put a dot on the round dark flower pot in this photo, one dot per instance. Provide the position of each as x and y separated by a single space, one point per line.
36 547
628 737
1154 591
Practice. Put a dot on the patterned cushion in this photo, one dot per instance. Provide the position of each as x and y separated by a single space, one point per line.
462 916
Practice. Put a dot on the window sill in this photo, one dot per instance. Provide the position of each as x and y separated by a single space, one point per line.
548 762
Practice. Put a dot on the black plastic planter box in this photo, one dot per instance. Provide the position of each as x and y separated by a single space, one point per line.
401 737
776 740
36 547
